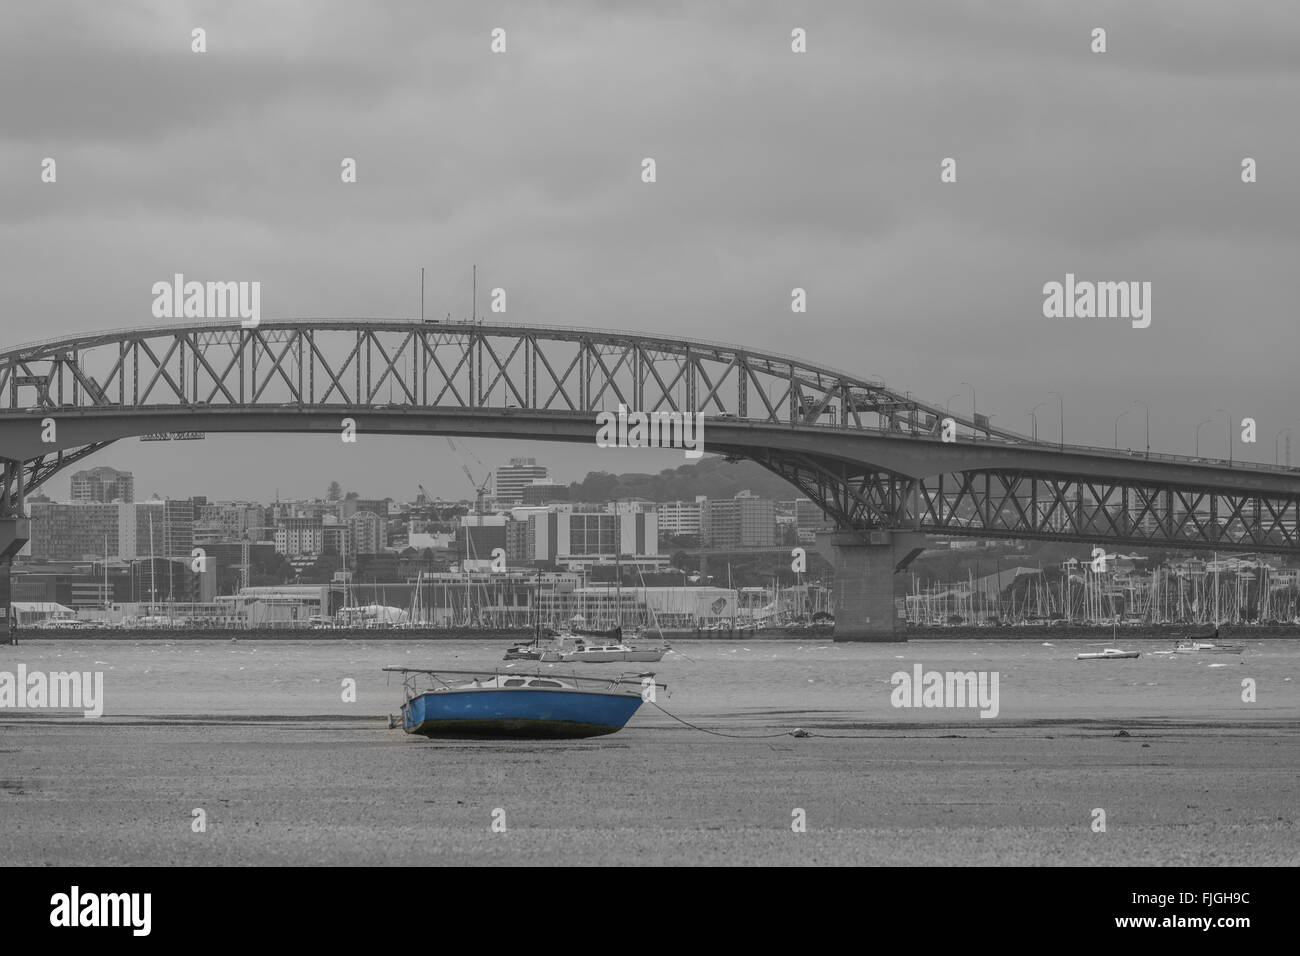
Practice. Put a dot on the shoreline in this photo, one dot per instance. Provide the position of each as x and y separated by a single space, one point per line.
1169 632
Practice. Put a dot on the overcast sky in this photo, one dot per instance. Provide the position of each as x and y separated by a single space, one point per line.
775 170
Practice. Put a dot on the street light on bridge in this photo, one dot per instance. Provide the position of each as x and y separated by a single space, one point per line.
1228 421
947 405
1147 408
1203 421
1117 418
1062 401
972 409
1286 431
1034 419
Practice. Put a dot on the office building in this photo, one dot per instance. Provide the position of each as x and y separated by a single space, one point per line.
510 480
103 484
744 521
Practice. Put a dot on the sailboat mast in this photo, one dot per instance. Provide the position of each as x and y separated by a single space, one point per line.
153 592
618 566
1216 589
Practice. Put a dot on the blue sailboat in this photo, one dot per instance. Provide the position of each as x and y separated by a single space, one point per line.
446 704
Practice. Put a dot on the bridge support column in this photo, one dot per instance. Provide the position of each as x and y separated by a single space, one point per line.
864 581
14 533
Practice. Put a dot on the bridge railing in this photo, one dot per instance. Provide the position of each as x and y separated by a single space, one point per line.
1126 455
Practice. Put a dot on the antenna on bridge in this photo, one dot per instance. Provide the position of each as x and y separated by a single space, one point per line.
473 314
421 293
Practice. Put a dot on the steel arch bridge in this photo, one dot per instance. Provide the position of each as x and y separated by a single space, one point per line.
871 457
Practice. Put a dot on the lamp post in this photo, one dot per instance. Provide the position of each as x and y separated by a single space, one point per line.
1034 418
1284 431
973 434
948 403
1227 420
1147 409
1117 418
1204 421
1062 401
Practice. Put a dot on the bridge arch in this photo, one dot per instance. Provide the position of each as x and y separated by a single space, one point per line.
869 455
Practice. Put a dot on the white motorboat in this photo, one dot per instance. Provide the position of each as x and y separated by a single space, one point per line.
576 649
1108 654
1192 647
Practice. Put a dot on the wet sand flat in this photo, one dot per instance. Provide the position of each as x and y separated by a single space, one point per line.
290 768
337 790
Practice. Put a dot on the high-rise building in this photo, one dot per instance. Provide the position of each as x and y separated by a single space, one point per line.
164 528
299 537
231 520
510 480
72 531
679 518
744 521
336 538
543 493
562 536
103 484
369 532
809 519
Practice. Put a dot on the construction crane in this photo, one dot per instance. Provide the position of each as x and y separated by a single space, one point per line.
480 488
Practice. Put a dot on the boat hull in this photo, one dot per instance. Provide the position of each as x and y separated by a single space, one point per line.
605 657
522 713
1197 647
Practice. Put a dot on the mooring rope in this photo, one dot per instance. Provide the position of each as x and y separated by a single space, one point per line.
797 732
718 733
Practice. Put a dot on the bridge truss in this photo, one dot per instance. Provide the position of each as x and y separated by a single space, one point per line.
815 426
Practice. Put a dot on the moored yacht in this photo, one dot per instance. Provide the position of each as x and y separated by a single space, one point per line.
447 704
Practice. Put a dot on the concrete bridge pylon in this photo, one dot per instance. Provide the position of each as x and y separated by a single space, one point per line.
863 588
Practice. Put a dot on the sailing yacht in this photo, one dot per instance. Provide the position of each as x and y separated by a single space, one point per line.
1214 646
592 646
608 646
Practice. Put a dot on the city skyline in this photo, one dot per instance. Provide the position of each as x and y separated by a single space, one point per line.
60 487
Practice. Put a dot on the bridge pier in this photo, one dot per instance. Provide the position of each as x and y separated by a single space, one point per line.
864 581
14 532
